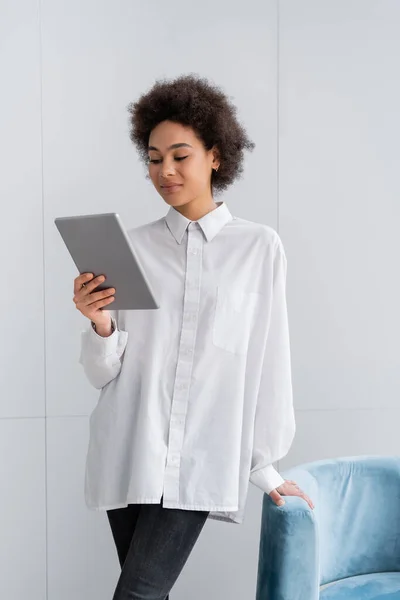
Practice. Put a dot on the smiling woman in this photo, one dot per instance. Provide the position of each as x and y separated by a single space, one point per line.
196 398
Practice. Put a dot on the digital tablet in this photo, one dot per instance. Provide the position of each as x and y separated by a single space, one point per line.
99 244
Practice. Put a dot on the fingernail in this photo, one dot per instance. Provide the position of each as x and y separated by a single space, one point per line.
281 502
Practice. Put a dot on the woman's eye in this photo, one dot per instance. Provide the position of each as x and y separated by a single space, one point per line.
158 160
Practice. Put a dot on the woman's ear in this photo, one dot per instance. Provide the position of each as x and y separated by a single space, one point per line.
216 157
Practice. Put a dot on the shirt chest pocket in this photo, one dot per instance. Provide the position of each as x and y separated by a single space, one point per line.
234 315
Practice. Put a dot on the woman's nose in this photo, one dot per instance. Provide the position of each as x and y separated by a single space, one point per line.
167 171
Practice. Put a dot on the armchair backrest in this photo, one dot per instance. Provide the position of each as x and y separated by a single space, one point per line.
357 513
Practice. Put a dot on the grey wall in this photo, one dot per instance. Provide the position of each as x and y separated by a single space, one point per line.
317 88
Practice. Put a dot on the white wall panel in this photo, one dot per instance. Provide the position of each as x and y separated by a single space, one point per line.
22 509
21 238
339 127
323 434
82 560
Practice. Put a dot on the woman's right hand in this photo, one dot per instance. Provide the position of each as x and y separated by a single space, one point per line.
89 302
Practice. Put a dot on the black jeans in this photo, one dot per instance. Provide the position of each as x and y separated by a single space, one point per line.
153 544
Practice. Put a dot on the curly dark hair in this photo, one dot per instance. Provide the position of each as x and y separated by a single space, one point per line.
192 101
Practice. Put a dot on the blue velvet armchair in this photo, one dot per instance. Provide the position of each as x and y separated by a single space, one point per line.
348 547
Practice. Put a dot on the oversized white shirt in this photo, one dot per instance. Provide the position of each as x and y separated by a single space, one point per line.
196 396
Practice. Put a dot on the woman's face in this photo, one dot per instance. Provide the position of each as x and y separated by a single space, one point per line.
177 156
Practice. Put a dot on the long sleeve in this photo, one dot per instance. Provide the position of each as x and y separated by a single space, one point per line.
101 356
274 427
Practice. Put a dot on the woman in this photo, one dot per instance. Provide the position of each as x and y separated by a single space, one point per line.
196 397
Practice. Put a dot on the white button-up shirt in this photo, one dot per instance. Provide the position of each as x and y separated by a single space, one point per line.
196 396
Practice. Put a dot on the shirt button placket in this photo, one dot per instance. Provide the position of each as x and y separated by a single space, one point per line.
191 301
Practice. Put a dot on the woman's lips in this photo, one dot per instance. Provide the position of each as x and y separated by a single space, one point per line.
172 188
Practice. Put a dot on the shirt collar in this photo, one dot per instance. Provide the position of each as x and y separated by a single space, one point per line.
211 223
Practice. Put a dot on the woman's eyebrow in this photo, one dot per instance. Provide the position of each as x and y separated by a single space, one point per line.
179 145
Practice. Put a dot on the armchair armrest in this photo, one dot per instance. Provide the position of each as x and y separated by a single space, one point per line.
288 564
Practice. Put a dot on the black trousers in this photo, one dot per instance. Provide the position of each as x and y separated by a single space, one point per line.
153 544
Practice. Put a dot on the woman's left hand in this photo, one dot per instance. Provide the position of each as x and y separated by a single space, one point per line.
289 488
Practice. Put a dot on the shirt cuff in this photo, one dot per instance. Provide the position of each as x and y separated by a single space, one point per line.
267 478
